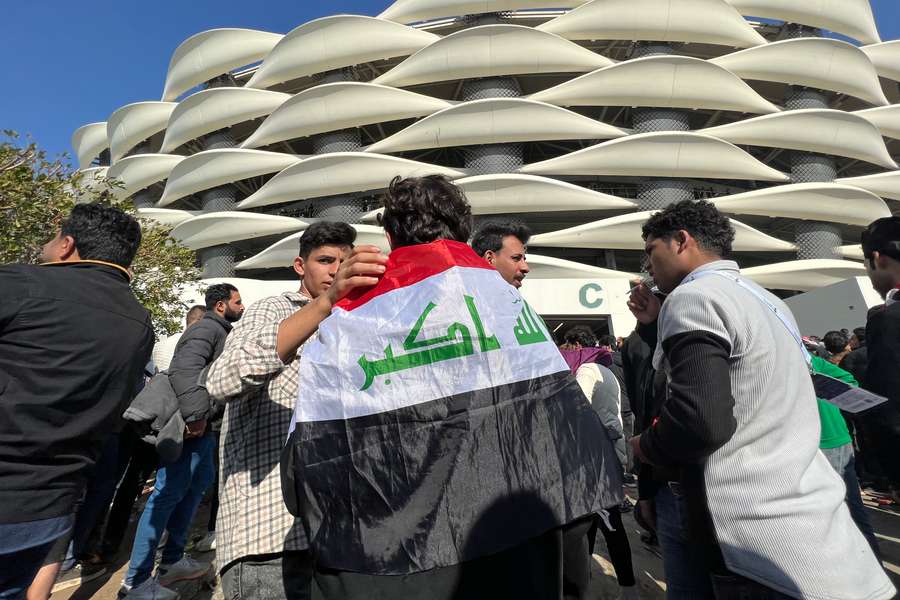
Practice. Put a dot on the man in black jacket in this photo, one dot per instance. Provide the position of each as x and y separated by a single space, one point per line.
73 344
180 485
881 248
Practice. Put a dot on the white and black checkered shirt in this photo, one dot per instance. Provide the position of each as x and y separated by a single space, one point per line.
260 392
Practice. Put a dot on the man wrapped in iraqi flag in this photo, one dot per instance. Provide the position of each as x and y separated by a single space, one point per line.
438 427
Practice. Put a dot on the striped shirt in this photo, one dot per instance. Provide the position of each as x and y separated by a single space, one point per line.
260 392
777 506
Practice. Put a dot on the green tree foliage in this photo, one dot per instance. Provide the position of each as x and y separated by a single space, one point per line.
37 193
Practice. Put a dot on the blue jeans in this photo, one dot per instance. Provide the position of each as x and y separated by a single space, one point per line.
172 505
23 548
687 569
101 487
843 461
689 574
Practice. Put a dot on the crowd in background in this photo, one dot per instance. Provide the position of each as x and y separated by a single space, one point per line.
749 483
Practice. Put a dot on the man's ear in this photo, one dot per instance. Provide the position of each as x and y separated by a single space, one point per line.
67 248
490 256
298 266
880 260
682 237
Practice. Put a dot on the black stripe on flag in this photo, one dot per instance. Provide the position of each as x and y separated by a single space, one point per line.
407 490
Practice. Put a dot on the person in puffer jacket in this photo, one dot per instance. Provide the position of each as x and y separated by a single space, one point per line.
180 484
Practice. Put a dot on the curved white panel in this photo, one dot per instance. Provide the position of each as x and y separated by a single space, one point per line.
886 58
282 253
343 105
167 217
886 185
211 110
885 118
211 53
669 154
93 181
334 42
213 168
624 233
831 202
508 193
214 229
548 267
815 62
493 121
824 131
701 21
410 11
853 252
142 170
804 275
89 141
852 18
492 50
664 81
339 173
134 123
505 193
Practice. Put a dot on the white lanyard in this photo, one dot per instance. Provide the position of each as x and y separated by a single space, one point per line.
781 316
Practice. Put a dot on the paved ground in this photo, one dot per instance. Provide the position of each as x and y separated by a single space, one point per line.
647 564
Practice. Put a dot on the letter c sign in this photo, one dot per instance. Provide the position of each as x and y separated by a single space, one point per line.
590 295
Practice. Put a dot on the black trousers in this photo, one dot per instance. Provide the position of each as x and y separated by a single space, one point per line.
553 566
617 545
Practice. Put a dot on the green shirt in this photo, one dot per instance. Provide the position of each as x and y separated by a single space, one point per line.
834 428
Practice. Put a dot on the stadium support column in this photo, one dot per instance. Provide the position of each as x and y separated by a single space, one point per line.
492 158
814 239
218 261
655 193
346 208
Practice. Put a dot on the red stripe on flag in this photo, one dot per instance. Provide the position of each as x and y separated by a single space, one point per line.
412 264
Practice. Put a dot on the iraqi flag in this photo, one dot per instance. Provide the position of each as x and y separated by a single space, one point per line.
437 423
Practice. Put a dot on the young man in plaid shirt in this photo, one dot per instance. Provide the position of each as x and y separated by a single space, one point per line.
261 548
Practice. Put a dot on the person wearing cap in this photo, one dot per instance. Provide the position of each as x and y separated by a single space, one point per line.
881 249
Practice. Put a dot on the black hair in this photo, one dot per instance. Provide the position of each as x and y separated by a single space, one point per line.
219 292
419 210
195 309
860 333
835 342
711 229
581 335
104 233
609 340
326 233
490 235
882 236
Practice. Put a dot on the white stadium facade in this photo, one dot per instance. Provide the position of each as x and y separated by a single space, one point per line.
578 118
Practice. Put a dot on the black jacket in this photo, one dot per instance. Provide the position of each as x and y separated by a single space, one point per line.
855 363
73 345
883 378
197 348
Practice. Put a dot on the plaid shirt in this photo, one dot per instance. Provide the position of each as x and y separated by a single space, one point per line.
259 391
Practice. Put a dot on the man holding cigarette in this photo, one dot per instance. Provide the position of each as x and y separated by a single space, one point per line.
748 506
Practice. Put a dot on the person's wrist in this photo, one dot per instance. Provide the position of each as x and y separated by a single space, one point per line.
324 303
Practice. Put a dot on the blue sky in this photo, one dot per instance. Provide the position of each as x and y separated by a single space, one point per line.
71 63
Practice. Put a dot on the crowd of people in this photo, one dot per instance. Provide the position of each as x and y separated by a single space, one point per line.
332 474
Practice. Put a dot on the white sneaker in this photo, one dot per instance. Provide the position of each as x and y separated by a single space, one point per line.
151 590
184 569
207 544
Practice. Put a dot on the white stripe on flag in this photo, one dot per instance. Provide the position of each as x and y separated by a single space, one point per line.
462 330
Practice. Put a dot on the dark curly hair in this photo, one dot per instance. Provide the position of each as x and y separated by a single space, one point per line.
490 235
325 233
419 210
103 233
580 335
711 229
